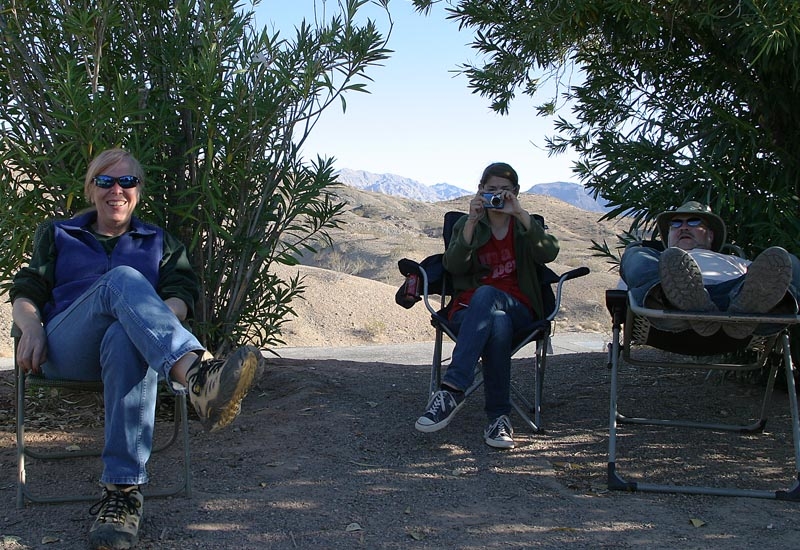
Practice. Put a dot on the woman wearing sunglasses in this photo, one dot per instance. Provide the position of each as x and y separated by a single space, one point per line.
104 298
692 274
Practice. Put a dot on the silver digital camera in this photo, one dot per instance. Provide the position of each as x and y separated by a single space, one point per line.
493 200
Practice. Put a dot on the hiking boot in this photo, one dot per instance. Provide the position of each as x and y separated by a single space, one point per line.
119 514
682 283
441 409
500 434
765 284
217 387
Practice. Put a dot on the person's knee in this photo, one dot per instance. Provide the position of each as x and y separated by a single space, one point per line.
124 272
795 274
502 329
483 300
639 265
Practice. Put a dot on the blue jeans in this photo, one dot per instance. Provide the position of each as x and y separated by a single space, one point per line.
121 332
485 330
639 270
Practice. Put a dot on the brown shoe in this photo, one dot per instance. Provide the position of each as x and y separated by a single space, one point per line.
682 284
765 284
119 515
217 387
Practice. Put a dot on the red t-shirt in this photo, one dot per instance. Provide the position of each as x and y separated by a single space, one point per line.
499 255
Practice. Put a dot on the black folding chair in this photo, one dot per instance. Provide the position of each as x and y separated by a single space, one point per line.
436 281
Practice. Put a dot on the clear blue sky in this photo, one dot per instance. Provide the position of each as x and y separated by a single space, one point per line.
420 120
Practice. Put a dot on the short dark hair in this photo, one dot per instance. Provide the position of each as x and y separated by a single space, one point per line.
500 170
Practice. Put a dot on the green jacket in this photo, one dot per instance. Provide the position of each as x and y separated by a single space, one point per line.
176 276
531 247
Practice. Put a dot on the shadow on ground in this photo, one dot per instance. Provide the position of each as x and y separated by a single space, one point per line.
325 456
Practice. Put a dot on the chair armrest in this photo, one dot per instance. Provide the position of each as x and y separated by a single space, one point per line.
617 305
564 277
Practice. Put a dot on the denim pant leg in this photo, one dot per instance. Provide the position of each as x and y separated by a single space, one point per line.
485 329
130 391
639 269
113 332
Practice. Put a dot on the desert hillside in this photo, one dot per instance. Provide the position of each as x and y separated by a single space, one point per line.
350 300
351 284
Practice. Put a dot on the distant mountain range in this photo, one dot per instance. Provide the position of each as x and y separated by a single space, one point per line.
392 184
571 193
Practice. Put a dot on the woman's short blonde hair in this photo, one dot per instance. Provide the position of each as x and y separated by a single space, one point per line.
109 158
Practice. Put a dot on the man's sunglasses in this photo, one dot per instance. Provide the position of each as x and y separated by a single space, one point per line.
691 222
107 182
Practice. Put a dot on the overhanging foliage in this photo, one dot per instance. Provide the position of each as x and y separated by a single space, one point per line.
215 109
670 100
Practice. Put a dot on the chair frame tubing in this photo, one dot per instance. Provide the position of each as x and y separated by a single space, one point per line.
180 428
621 349
519 401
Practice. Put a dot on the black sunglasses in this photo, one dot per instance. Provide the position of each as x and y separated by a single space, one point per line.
691 222
107 182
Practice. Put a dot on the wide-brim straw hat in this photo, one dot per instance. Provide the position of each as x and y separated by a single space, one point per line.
694 209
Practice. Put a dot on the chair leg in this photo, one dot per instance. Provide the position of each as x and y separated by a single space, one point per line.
180 429
523 407
176 427
20 387
187 464
180 426
436 367
521 399
615 482
523 413
538 373
789 368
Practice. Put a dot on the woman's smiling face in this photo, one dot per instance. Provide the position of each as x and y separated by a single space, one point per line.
115 205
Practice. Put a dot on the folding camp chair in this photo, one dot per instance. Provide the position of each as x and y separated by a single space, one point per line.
24 451
435 280
633 339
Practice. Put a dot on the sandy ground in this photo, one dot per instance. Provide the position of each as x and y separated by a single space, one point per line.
325 456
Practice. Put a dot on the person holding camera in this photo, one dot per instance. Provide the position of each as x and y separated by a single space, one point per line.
492 258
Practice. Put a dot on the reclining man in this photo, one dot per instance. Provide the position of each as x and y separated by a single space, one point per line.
691 274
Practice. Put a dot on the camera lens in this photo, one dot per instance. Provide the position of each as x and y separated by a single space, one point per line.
496 201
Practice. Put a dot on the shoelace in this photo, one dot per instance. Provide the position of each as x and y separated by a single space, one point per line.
438 403
204 370
114 505
502 428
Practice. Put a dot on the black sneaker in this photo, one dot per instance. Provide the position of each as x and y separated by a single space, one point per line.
441 408
500 434
217 387
119 514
